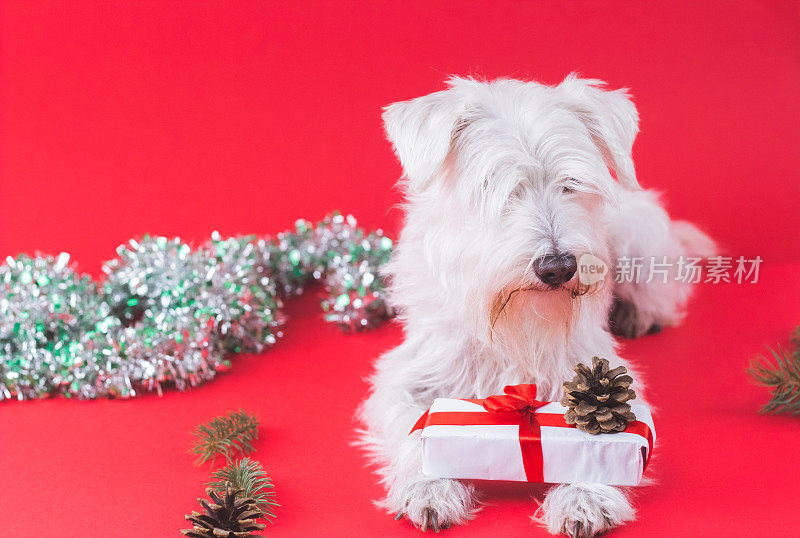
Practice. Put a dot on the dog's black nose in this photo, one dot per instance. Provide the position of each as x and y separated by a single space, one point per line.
556 269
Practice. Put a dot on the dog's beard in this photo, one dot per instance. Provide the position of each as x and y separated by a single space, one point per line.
554 305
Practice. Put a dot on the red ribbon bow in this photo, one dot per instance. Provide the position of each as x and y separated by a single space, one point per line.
517 398
518 407
521 400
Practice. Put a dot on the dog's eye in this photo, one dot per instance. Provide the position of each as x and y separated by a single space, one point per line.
569 185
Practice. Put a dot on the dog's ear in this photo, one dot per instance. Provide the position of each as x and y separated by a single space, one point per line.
421 131
612 120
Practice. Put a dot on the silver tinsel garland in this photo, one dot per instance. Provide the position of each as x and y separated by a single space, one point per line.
167 314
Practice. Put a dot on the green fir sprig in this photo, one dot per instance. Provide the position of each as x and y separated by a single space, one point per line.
782 376
248 476
795 340
225 436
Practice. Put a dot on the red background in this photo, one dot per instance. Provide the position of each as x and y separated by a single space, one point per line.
179 118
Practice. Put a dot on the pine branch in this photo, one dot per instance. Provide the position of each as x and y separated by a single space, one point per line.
795 340
225 435
249 476
783 377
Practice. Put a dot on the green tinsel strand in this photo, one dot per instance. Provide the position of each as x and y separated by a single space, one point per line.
167 314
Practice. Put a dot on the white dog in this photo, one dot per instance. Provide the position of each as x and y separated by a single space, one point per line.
507 184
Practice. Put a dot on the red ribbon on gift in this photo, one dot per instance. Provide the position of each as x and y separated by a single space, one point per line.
517 407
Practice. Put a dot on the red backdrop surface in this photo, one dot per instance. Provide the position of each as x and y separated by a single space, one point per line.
179 118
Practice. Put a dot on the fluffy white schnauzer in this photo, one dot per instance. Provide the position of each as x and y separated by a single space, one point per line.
507 185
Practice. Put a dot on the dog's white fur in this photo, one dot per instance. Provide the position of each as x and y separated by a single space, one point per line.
498 174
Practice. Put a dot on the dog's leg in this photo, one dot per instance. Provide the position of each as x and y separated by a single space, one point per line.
584 509
429 503
641 235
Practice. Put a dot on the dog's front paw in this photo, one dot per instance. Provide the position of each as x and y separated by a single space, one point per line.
627 321
435 504
584 510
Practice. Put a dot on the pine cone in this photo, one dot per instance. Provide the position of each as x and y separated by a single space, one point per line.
226 516
597 398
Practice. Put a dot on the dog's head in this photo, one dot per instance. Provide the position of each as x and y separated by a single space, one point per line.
507 184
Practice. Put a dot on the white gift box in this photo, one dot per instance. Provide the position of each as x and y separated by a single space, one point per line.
493 452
